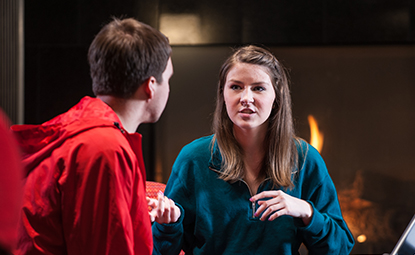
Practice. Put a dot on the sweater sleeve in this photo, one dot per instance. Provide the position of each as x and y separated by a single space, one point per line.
168 238
327 232
172 238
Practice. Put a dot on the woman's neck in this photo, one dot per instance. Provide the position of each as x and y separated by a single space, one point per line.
252 141
253 144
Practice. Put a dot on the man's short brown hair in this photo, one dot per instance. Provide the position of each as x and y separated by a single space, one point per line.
124 54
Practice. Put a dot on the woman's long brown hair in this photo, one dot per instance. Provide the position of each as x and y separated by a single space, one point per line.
280 161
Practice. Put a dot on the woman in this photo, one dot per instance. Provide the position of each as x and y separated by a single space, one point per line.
253 187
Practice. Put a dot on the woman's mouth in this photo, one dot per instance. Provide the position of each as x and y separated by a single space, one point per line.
247 111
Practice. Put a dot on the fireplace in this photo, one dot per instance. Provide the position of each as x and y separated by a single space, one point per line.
373 224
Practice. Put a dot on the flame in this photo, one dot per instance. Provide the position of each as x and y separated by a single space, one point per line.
316 137
362 216
361 238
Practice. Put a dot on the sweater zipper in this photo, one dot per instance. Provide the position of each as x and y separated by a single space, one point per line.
249 189
250 193
253 206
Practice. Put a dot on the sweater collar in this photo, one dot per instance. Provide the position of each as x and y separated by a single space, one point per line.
215 162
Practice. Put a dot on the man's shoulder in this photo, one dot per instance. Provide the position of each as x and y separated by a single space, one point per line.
101 138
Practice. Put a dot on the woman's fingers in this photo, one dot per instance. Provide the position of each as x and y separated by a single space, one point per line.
265 194
275 211
160 209
167 210
152 202
175 213
265 204
267 207
164 210
280 203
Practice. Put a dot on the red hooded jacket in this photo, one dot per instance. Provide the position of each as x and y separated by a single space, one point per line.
10 186
85 185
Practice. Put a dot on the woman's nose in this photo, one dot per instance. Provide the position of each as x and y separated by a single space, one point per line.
247 97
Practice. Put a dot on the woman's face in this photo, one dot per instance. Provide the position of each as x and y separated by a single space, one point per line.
249 96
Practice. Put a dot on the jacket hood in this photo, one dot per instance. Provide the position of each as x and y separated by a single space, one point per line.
38 141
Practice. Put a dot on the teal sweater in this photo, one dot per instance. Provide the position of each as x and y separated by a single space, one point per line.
217 216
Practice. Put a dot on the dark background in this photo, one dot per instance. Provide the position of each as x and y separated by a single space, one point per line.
351 64
58 34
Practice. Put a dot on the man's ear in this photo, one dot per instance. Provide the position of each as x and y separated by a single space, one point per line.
149 87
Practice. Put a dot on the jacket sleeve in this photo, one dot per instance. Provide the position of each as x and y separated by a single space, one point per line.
172 238
327 232
105 210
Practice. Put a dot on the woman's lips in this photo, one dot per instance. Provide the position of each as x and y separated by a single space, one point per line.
247 111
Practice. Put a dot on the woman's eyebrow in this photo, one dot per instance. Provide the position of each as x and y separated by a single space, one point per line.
255 83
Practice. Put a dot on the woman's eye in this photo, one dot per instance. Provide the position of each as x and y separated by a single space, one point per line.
235 87
258 88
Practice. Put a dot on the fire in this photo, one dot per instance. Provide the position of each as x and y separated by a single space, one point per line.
361 238
316 137
362 216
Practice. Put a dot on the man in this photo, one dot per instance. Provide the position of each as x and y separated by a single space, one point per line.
85 179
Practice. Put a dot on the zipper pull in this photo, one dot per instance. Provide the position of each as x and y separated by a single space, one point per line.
118 126
253 209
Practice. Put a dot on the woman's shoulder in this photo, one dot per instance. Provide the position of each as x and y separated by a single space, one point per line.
310 162
193 157
199 144
198 147
306 152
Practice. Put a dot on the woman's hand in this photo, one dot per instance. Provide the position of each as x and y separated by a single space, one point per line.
280 204
164 210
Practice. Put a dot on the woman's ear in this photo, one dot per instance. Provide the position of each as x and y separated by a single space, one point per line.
149 87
